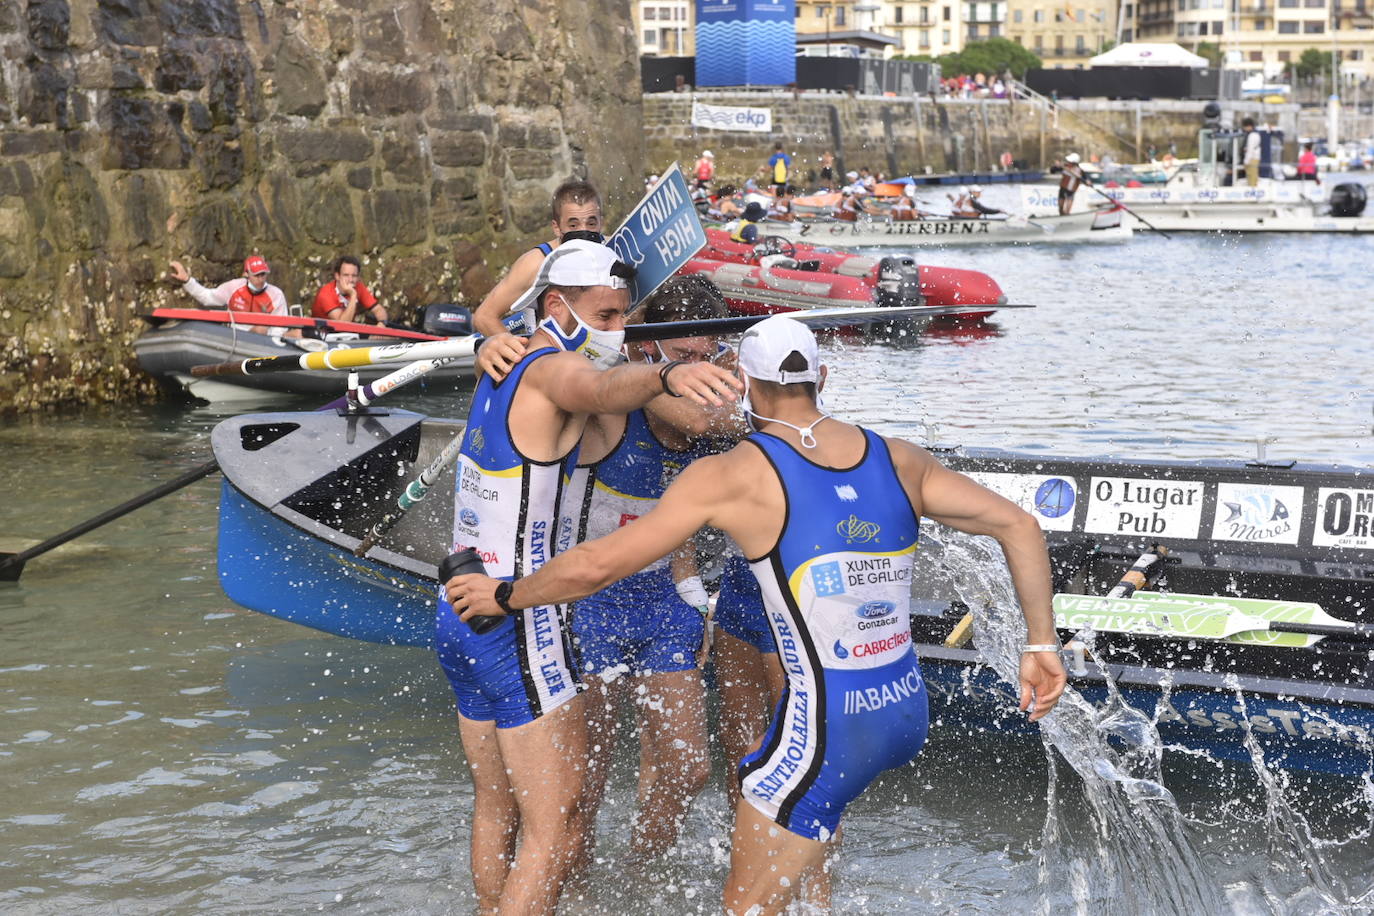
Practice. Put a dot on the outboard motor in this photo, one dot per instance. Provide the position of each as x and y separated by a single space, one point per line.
899 283
446 320
1348 199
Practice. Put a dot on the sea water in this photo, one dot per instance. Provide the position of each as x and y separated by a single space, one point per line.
163 750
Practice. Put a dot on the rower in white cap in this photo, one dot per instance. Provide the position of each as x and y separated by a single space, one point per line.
814 500
520 715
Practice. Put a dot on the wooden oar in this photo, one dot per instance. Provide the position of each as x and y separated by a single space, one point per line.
1200 616
250 319
356 357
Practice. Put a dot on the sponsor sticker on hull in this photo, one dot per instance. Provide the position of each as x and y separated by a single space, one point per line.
1158 508
1050 498
1345 518
1257 514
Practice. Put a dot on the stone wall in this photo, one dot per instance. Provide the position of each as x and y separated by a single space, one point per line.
422 135
911 136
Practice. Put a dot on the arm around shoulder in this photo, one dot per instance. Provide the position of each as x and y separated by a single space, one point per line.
521 276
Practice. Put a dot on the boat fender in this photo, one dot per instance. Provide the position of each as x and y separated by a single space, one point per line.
1348 199
447 320
899 282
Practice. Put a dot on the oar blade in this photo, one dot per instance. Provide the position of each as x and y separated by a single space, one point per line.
1180 620
10 567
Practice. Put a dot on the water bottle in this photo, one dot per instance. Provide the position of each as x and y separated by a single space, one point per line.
463 563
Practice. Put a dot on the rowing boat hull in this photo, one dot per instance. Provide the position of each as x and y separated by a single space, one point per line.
301 488
1076 228
168 351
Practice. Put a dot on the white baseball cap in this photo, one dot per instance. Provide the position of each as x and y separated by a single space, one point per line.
975 189
851 175
1071 157
768 344
578 262
708 154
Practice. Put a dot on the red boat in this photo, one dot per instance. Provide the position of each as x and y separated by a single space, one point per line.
781 276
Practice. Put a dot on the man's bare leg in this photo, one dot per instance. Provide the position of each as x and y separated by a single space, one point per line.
674 762
750 684
767 864
601 703
495 816
547 765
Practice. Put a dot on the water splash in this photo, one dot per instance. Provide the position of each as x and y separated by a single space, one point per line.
1138 854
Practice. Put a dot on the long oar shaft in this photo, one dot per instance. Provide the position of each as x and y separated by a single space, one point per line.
1124 207
12 564
415 491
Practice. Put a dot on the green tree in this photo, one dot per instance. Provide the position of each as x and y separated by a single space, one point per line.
1210 50
992 56
1312 62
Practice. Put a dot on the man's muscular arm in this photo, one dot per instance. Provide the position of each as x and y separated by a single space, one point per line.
692 501
575 386
502 349
954 500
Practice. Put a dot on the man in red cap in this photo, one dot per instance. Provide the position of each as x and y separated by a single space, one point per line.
250 293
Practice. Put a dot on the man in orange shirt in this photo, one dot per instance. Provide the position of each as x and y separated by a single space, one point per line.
347 299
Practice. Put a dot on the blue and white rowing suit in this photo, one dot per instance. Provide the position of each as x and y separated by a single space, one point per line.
639 624
506 507
837 590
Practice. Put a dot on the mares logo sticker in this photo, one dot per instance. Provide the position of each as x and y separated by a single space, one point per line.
1250 512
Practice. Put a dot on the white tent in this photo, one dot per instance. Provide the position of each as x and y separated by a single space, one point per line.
1148 54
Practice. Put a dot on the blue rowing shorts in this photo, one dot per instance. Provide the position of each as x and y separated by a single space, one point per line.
810 767
739 607
639 625
512 674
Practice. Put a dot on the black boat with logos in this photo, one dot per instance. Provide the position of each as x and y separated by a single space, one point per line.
1254 630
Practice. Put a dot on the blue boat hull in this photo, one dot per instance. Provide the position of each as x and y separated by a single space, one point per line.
267 564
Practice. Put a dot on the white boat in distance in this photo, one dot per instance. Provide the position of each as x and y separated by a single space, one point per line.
1214 197
1104 225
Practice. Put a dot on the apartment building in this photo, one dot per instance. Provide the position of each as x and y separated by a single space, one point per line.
666 28
1267 34
1065 33
931 27
984 19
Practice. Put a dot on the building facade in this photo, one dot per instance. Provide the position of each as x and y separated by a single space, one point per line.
666 28
1063 34
1267 35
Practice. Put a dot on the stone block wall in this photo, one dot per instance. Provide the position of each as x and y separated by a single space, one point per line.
422 135
911 136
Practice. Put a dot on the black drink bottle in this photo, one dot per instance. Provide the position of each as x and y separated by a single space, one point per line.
463 563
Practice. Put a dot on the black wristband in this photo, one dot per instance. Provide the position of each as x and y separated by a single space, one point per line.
502 596
663 377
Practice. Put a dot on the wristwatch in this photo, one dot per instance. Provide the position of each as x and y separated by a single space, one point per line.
502 596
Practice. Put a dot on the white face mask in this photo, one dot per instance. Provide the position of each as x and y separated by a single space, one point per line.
807 433
257 286
601 347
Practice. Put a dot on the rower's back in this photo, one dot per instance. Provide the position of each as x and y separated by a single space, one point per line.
836 587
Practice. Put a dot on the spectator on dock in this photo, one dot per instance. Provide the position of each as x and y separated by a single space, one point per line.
781 208
704 172
724 205
779 167
346 298
827 176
